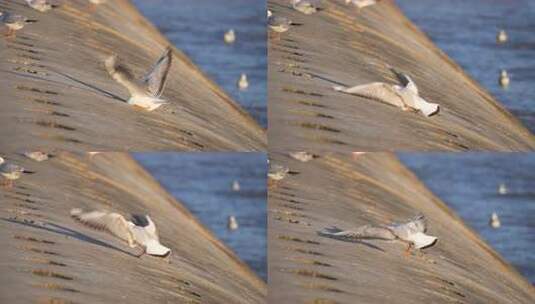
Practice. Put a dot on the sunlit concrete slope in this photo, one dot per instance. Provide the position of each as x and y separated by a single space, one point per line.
47 257
342 46
348 192
56 93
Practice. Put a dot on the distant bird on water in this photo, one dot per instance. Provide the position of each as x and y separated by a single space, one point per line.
504 79
232 223
13 22
405 97
11 172
306 7
243 83
494 221
144 93
40 5
411 232
502 189
141 233
236 186
229 37
501 37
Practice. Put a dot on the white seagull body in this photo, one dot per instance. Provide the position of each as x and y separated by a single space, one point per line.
277 172
501 37
411 231
278 24
39 5
243 83
38 156
361 3
504 79
135 235
306 7
229 37
405 97
13 22
144 93
302 156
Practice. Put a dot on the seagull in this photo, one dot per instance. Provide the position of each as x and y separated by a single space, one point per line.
40 5
278 172
229 37
406 98
38 156
302 156
362 3
411 232
134 233
243 84
504 79
306 7
501 37
278 24
235 186
502 189
144 93
97 2
13 22
232 223
11 171
494 221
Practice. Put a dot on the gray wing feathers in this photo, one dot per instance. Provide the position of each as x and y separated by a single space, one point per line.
363 232
114 223
155 80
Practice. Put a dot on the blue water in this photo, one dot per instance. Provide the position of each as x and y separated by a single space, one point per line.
203 182
197 28
468 183
466 31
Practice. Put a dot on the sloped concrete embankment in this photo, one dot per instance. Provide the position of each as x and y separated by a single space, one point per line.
344 46
346 192
56 93
46 257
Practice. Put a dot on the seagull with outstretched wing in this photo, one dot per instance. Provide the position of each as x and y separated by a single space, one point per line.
135 234
405 97
411 232
145 93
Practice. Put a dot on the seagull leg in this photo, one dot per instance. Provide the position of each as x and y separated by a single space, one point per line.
408 250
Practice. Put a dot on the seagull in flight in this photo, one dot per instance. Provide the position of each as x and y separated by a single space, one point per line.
134 233
405 97
145 93
411 232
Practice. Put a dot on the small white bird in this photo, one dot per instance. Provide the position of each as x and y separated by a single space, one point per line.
494 221
38 156
97 2
232 223
236 186
504 79
406 97
40 5
229 37
362 3
302 156
277 172
502 189
278 24
306 7
144 93
138 234
501 37
243 83
11 172
411 232
13 22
